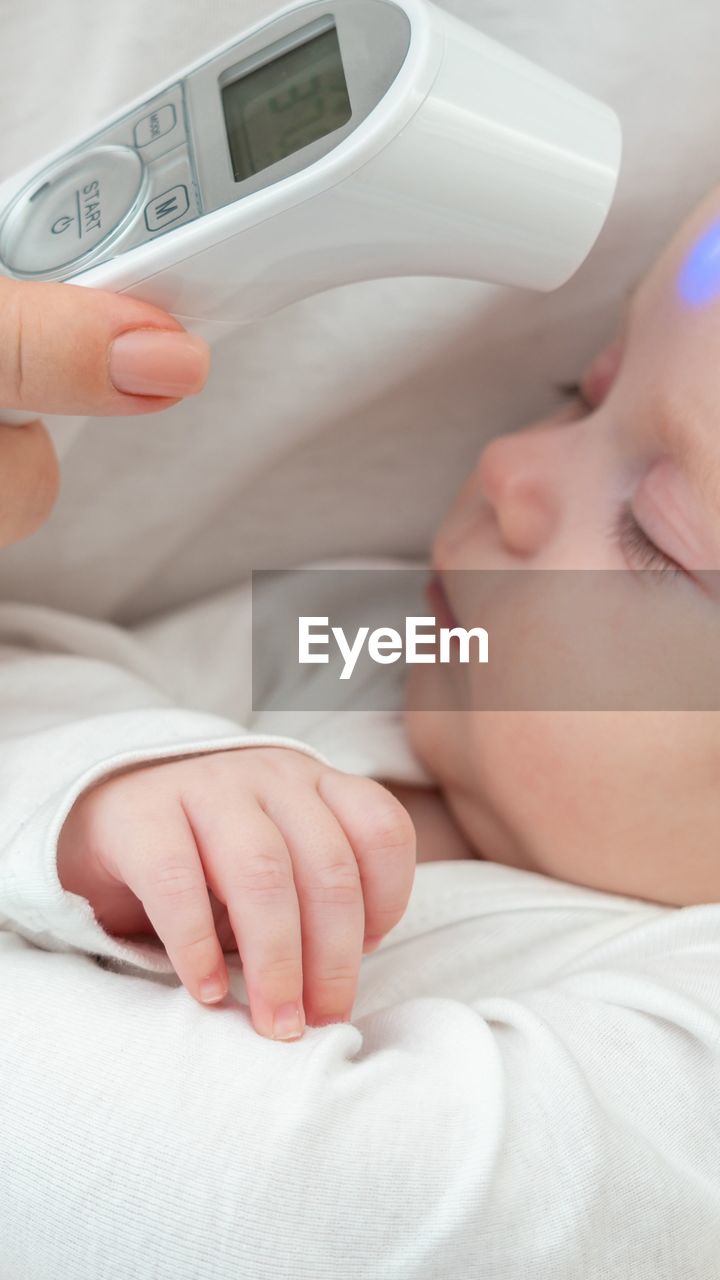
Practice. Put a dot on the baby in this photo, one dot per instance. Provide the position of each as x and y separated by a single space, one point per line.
303 868
627 477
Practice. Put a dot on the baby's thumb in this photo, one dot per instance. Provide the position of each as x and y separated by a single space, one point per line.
66 349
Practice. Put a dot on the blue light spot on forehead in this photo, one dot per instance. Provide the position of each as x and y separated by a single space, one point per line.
699 280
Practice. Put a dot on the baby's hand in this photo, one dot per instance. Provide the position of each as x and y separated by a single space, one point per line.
308 865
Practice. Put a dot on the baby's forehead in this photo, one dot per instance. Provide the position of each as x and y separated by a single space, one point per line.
698 282
687 271
672 388
668 391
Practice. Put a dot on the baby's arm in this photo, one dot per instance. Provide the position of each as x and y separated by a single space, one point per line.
84 702
439 839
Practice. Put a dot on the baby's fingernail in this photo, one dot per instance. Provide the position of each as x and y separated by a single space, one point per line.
159 362
213 989
288 1022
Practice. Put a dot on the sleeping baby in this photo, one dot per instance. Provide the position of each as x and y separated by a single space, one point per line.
301 867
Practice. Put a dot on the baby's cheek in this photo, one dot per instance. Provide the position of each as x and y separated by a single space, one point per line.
516 753
544 774
620 802
604 799
436 736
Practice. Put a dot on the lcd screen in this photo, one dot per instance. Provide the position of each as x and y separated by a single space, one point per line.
286 104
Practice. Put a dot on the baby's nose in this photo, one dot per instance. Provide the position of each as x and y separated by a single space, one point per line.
516 479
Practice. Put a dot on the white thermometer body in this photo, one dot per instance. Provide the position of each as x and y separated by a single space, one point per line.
340 140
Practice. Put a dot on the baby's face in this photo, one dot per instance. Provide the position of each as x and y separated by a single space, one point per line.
627 477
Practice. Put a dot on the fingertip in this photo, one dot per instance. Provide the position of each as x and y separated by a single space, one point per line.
370 945
288 1022
214 988
158 362
63 337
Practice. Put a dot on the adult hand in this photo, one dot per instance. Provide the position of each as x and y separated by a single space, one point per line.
70 350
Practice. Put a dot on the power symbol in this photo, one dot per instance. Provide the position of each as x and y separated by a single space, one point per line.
60 225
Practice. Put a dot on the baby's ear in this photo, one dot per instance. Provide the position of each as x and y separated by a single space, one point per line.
602 372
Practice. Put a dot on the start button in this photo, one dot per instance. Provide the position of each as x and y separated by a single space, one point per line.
70 209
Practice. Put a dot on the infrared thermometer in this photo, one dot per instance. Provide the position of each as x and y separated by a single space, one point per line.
338 140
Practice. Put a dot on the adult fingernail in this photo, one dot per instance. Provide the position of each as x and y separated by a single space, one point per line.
287 1023
159 362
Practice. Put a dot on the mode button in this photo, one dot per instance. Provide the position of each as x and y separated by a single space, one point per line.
155 125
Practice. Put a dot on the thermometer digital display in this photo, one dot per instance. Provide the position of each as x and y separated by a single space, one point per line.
338 140
285 105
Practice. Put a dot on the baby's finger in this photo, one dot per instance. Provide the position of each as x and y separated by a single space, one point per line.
161 866
223 927
382 837
248 868
331 903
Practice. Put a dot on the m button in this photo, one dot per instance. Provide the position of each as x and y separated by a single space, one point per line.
167 208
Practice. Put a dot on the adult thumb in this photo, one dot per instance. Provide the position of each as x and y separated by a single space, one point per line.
69 350
66 349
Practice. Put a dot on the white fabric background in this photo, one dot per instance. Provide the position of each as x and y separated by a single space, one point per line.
529 1087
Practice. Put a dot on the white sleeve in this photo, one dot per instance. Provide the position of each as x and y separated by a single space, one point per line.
78 701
